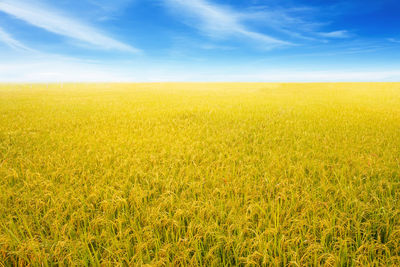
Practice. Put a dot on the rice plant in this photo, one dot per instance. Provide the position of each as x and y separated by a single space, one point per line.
202 174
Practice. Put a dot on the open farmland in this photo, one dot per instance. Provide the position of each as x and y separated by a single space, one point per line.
200 174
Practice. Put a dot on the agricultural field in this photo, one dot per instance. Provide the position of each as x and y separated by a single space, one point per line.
200 174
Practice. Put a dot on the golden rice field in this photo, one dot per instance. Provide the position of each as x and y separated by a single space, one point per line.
200 174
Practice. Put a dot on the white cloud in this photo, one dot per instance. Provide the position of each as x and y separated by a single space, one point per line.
55 22
336 34
219 21
286 21
11 42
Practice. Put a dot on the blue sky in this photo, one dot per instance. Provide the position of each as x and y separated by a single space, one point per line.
199 40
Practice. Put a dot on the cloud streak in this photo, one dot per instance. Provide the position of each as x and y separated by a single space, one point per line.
394 40
336 34
55 22
219 21
7 39
222 21
110 6
286 21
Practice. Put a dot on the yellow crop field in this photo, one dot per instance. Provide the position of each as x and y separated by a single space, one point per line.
200 174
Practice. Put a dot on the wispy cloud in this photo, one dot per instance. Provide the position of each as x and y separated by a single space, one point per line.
7 39
219 21
336 34
106 10
296 22
393 40
111 6
53 21
289 21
